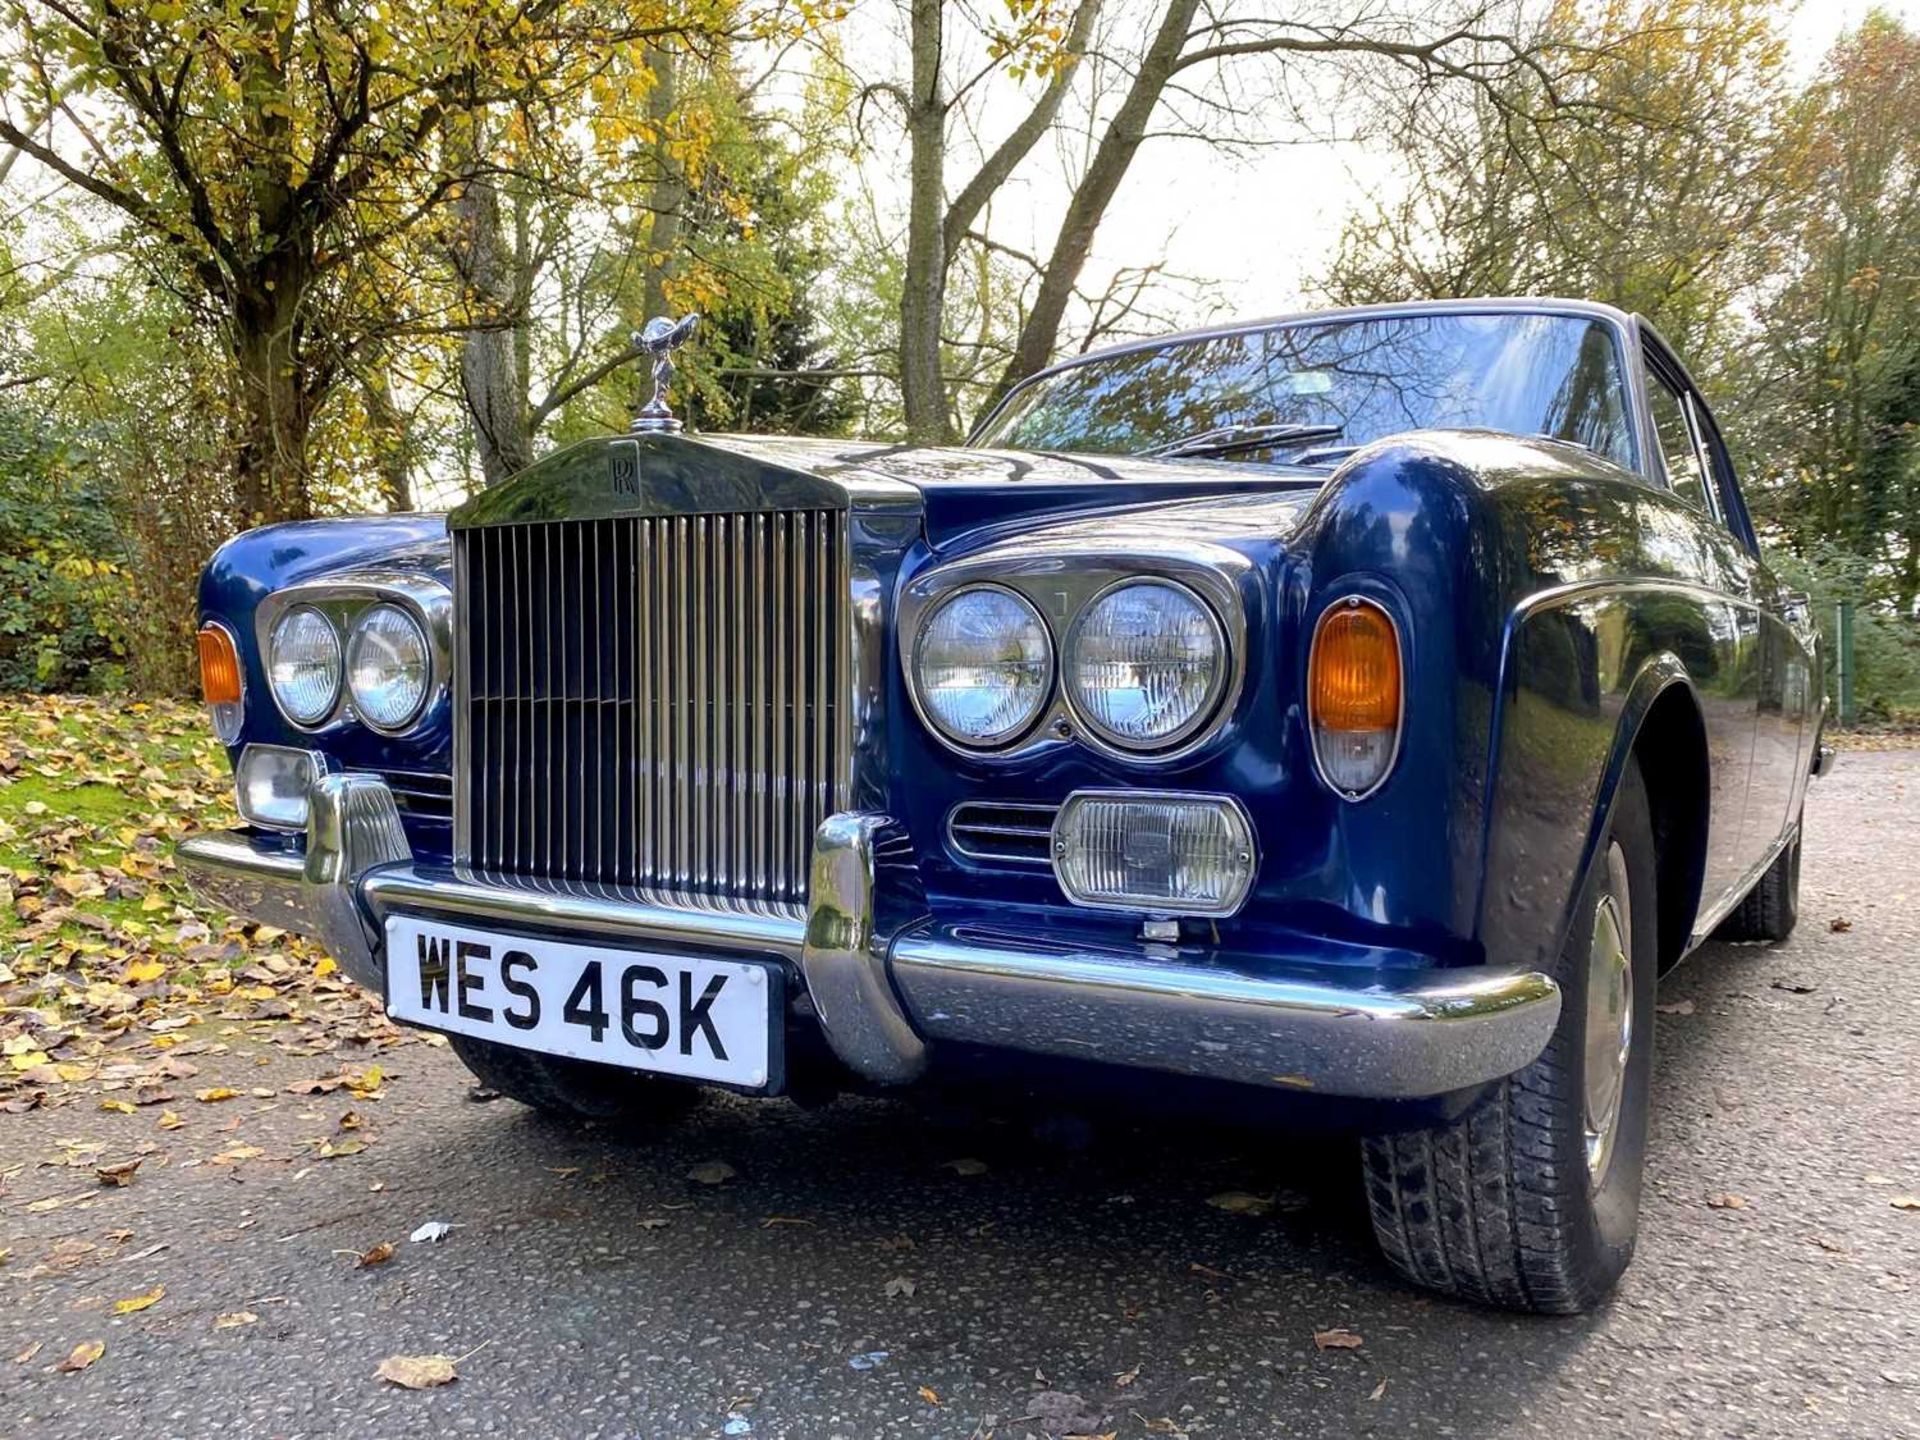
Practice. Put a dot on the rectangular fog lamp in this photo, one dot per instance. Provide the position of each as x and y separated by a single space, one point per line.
1161 852
271 784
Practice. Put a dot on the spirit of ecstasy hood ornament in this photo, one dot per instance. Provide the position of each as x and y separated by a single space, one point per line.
660 337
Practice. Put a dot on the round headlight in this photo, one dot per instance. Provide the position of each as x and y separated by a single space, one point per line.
983 666
303 665
389 667
1145 663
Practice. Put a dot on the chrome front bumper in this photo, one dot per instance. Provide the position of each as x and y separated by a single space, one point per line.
884 981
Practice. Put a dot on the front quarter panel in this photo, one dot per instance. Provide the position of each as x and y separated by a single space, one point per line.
244 571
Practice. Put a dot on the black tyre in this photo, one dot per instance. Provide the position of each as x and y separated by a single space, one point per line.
573 1089
1531 1199
1772 907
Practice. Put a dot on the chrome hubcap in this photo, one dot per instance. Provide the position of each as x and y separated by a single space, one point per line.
1609 1013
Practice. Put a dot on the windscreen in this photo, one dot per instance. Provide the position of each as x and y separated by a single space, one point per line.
1526 374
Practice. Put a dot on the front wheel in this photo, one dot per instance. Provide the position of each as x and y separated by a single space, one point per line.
1531 1199
573 1089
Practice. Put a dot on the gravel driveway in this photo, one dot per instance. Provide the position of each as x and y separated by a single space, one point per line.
892 1268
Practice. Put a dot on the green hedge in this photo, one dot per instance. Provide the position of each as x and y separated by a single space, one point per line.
65 588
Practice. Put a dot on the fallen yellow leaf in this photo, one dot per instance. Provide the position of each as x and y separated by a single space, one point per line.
234 1320
217 1092
141 971
84 1354
139 1302
125 1107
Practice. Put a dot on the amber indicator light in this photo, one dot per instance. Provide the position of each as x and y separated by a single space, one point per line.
219 667
1353 679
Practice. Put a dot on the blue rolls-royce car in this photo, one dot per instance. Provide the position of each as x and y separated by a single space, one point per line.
1363 708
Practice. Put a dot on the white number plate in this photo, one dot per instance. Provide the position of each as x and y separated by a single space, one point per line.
677 1014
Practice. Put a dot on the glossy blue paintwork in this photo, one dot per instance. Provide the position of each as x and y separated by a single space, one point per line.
244 570
1554 610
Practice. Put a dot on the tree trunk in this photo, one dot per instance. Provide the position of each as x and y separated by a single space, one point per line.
1111 158
923 295
667 196
270 463
490 377
392 440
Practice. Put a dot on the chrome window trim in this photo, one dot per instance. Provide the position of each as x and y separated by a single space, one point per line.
1049 695
1209 704
1059 576
1348 600
340 599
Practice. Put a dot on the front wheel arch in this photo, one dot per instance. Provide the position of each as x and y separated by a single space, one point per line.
1661 728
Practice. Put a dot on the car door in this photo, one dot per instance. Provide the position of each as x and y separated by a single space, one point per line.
1784 711
1724 573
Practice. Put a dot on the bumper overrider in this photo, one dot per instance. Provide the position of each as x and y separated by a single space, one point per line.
883 980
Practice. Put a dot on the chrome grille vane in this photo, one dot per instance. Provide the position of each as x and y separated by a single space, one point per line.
654 702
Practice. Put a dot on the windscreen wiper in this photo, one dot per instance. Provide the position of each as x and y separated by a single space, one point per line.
1232 439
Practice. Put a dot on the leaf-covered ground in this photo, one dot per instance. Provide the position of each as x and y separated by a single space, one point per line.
346 1239
112 976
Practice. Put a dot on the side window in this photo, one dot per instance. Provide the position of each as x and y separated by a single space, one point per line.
1727 485
1679 452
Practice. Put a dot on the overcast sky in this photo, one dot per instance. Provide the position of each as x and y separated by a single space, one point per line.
1259 227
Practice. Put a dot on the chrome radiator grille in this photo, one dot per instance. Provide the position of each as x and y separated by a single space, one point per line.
653 702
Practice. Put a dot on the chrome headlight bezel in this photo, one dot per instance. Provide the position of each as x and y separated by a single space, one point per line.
1060 573
358 637
305 718
1209 702
343 600
1010 735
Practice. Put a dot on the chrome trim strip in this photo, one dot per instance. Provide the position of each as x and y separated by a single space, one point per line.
1315 1031
1555 596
